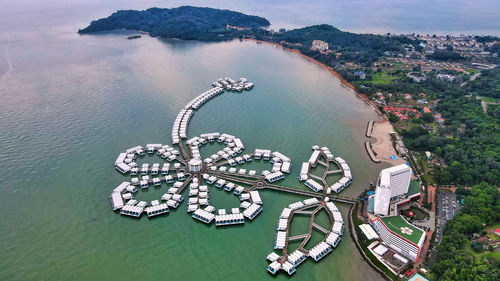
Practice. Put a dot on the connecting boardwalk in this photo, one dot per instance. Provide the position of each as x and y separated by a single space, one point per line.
184 153
320 228
340 199
304 212
298 237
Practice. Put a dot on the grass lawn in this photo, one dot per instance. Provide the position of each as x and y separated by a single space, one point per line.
491 231
489 255
382 78
471 71
396 223
418 213
489 99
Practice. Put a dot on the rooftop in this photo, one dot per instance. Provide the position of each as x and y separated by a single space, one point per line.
404 229
418 277
414 188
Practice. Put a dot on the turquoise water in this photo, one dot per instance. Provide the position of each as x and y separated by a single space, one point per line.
69 104
63 124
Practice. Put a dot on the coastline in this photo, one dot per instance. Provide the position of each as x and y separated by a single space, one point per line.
327 68
383 146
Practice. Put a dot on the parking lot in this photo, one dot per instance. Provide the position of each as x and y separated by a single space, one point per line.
447 207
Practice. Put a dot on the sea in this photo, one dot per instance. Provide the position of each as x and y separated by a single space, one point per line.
69 104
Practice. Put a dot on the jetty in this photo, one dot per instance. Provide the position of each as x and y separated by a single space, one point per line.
371 153
369 128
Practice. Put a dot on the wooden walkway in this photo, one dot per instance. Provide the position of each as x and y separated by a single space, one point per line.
322 163
340 199
298 237
320 228
304 212
183 152
188 180
315 177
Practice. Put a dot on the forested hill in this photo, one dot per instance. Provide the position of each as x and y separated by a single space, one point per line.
359 48
188 23
338 39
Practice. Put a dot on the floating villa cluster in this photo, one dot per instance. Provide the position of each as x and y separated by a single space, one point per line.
226 169
333 235
311 181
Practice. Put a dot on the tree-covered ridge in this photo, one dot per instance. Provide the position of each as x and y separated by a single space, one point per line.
359 48
473 155
488 85
338 39
189 23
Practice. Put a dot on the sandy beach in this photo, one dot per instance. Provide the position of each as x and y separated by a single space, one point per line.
383 144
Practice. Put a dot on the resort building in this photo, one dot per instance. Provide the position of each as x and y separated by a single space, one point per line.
392 183
319 45
400 235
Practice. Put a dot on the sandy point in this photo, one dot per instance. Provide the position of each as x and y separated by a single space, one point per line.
383 146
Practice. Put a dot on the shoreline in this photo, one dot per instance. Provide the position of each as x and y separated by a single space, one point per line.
329 69
380 131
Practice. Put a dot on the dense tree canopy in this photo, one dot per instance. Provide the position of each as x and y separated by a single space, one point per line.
486 39
453 261
185 22
488 85
445 55
360 48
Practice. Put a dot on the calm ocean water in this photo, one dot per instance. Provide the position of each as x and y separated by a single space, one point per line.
69 104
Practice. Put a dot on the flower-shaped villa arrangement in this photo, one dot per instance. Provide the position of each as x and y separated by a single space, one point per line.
226 169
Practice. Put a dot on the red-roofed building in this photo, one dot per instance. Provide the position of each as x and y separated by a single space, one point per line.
427 110
404 118
497 232
407 96
388 108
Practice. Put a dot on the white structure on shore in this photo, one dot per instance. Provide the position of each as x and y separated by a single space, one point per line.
392 182
319 45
